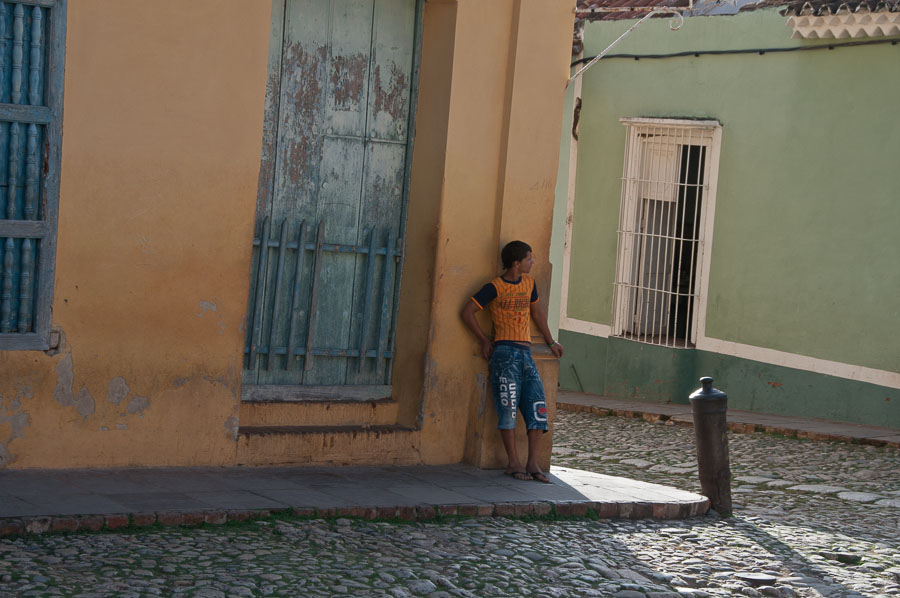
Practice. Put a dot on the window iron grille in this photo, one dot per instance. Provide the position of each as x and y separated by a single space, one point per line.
662 230
32 52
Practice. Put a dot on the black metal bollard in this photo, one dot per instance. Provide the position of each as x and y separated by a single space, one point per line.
709 406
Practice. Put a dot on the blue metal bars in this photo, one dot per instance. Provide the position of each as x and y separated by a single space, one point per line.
290 282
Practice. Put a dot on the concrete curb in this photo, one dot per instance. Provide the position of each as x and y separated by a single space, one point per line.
587 509
738 427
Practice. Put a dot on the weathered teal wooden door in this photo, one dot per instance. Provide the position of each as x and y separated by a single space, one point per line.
331 209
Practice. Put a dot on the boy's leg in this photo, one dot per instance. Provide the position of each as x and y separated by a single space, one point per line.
534 410
513 464
534 447
505 365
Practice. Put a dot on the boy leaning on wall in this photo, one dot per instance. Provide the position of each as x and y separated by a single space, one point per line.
511 298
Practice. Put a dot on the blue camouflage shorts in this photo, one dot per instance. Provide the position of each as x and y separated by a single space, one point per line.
516 383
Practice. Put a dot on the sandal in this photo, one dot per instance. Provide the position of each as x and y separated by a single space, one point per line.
522 476
539 476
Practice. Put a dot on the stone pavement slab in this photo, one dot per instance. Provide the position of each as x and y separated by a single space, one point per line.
738 420
32 501
780 543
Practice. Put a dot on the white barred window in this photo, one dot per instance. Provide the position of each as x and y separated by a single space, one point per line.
665 227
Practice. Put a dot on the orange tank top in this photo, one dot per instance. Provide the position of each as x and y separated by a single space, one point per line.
511 310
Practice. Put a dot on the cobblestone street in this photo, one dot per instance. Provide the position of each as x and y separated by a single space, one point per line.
811 519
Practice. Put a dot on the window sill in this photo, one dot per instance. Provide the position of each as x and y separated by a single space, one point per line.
30 341
276 393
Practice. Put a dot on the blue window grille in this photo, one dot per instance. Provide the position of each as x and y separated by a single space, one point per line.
32 61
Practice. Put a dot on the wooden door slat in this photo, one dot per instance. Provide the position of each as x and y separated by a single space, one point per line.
314 301
295 295
389 264
277 291
260 282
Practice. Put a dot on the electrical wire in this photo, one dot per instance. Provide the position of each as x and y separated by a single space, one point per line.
760 51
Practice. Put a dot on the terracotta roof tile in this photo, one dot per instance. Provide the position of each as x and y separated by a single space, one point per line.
612 10
830 7
639 8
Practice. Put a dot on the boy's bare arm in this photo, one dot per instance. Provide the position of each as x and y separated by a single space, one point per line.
539 315
468 316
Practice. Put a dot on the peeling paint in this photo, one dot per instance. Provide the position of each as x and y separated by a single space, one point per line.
17 422
138 405
481 380
118 390
103 429
145 242
348 77
15 403
84 403
25 392
16 419
210 306
392 96
231 427
429 381
121 426
65 374
304 70
11 414
233 379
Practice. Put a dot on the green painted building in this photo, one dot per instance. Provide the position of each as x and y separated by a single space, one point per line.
731 207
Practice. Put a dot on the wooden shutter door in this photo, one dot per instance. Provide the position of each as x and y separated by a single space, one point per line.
333 185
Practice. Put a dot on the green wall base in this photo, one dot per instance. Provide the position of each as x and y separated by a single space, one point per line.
624 369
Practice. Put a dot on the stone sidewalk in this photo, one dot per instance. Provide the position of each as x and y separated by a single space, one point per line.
738 421
71 500
812 520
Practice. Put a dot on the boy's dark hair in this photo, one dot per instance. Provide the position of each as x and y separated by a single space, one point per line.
515 251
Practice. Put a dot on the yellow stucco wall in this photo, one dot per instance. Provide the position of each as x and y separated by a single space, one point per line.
161 146
509 73
161 140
